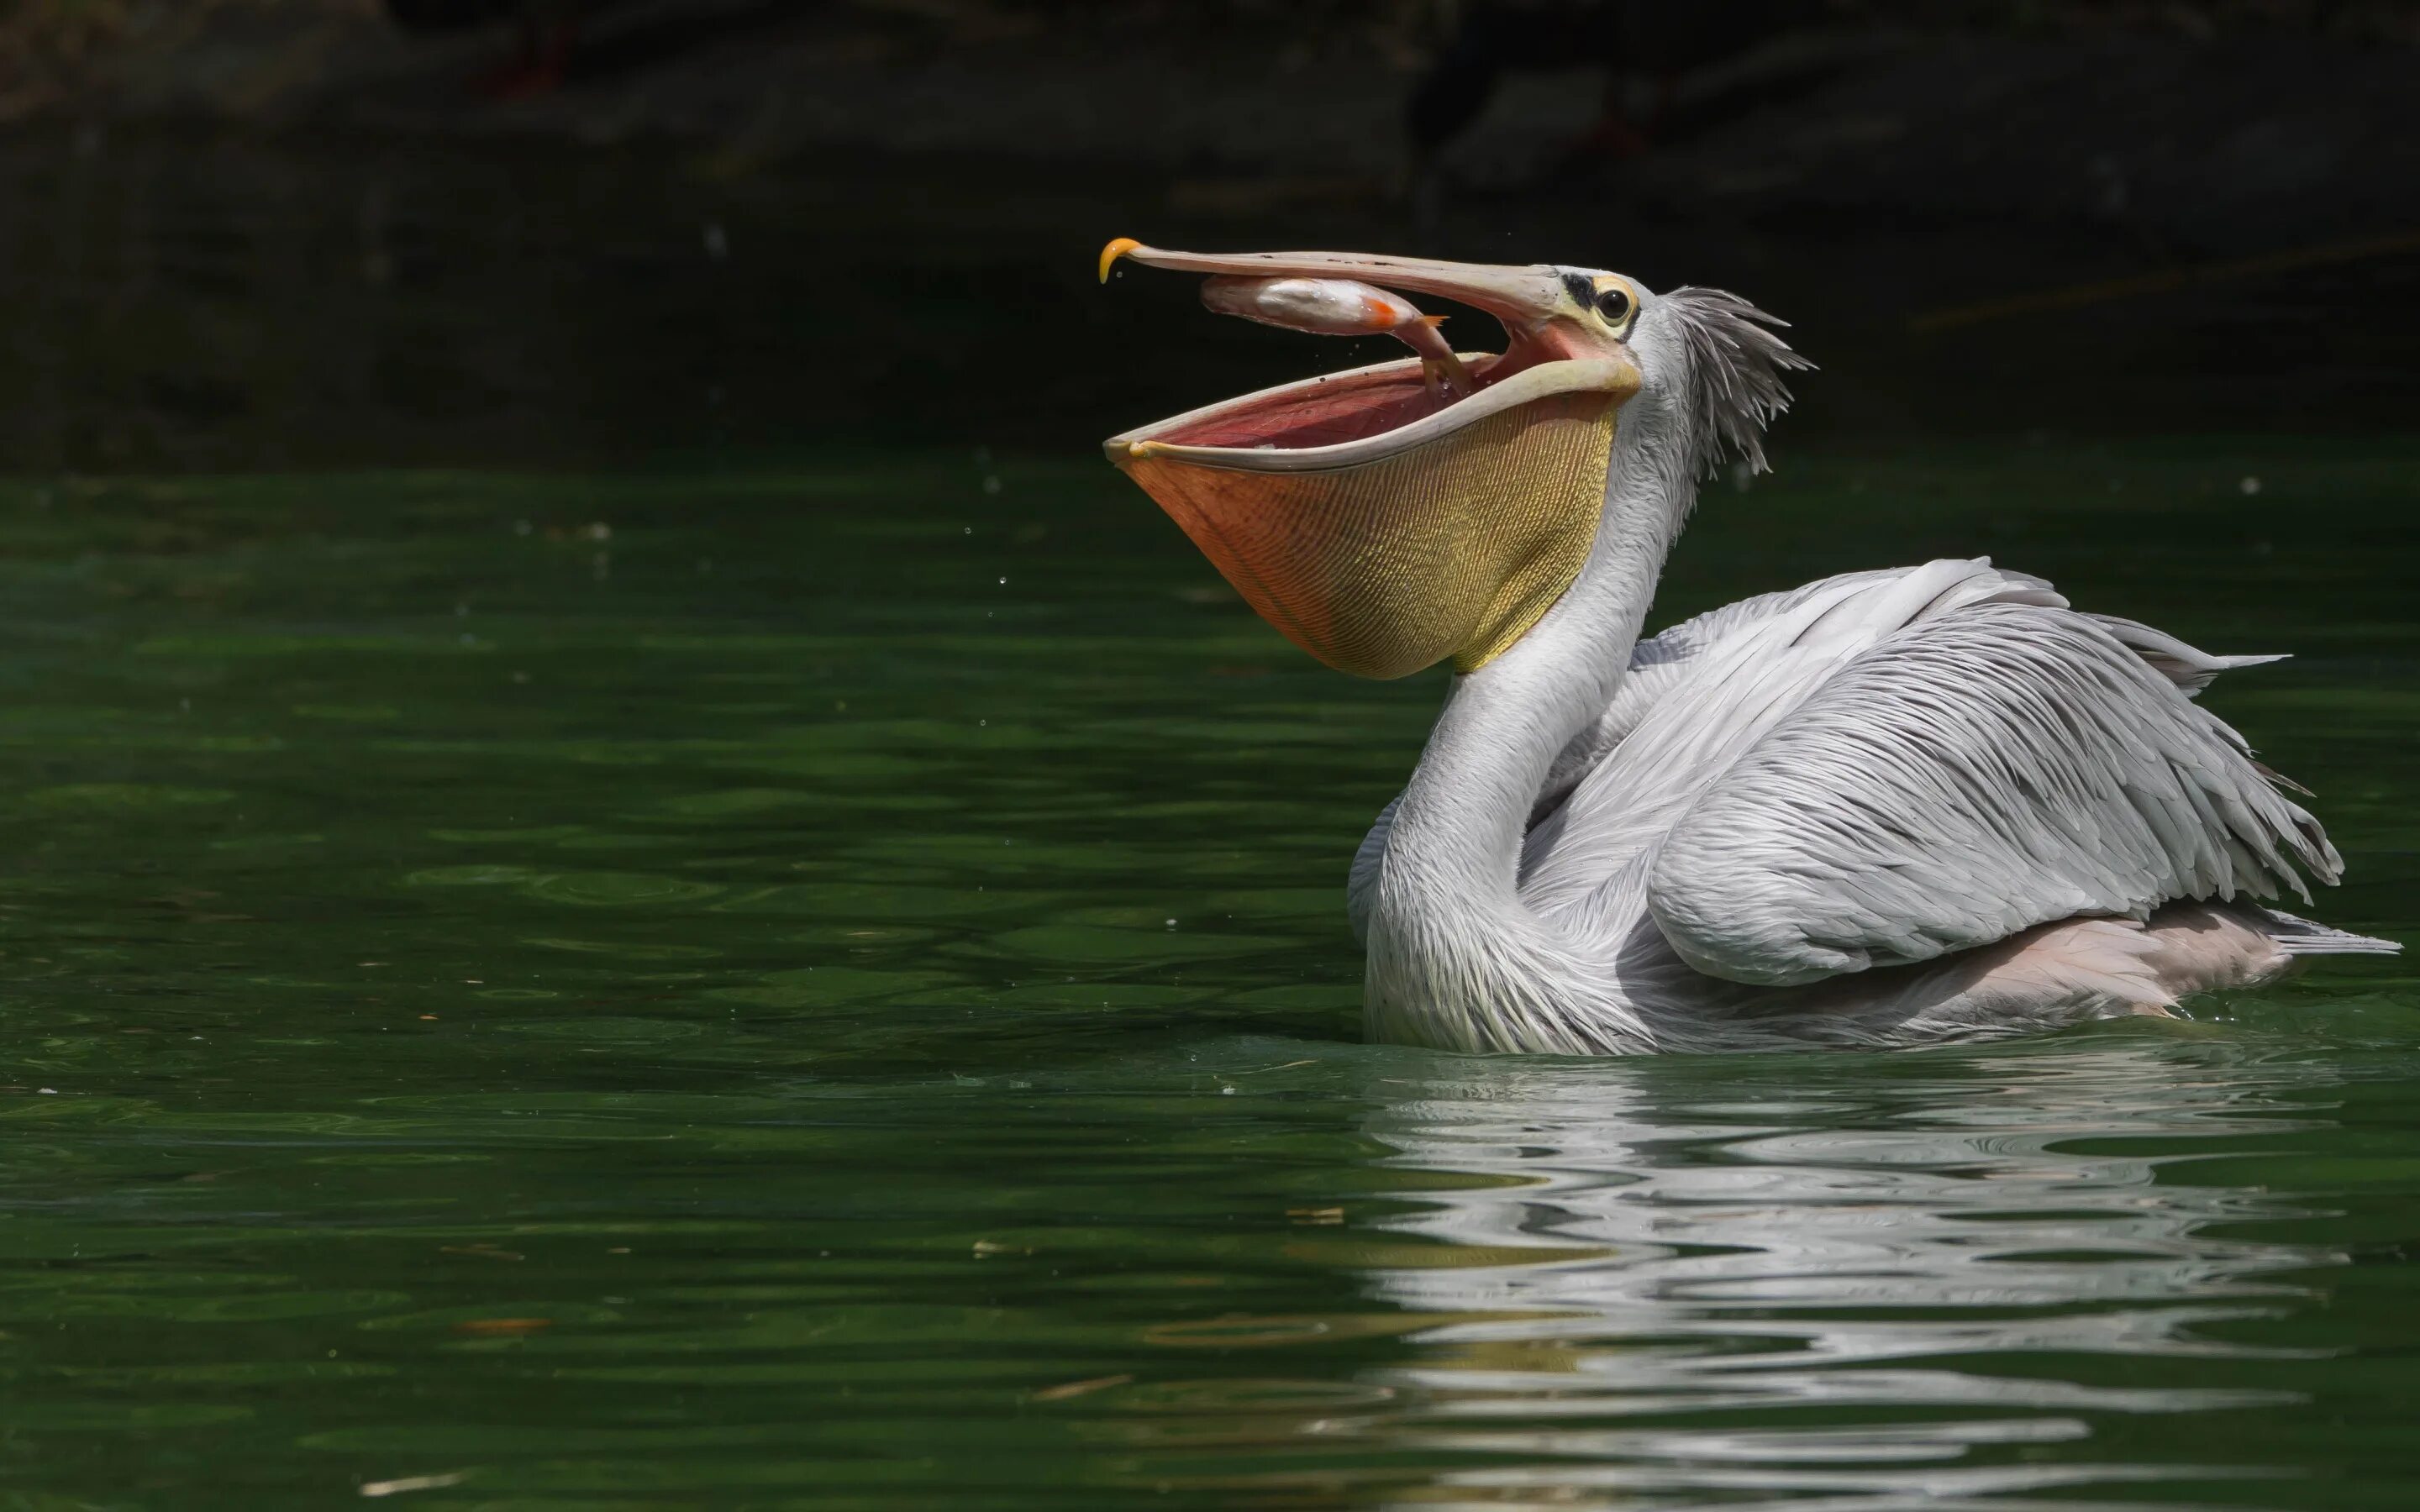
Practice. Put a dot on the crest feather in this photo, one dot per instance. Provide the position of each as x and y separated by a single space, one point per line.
1736 362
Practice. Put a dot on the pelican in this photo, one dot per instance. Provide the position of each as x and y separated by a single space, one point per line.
1890 808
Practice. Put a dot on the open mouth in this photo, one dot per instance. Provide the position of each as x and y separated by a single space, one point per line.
1385 519
1344 419
1321 411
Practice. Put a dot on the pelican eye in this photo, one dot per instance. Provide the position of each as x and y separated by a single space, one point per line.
1613 305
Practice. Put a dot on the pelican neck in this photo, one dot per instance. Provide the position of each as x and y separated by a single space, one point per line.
1457 958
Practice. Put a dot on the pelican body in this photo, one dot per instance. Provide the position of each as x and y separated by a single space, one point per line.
1891 808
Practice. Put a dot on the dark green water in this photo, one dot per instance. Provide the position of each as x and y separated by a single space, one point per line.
826 987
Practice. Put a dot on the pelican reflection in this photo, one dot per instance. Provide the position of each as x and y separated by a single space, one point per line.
1927 1279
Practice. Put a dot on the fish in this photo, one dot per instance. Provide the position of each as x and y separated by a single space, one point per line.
1340 307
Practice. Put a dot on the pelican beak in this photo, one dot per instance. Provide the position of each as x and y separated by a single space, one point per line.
1524 298
1380 523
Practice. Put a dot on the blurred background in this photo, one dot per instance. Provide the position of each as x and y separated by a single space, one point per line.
245 234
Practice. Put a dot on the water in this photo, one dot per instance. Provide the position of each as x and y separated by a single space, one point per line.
823 985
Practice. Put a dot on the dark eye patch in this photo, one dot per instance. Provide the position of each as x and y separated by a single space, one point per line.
1582 290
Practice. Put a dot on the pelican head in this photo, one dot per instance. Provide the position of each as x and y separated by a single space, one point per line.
1381 521
1385 523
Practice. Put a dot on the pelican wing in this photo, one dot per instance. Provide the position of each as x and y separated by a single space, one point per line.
1976 771
1695 696
1698 697
1873 602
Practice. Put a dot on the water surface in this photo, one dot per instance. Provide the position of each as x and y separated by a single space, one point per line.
825 986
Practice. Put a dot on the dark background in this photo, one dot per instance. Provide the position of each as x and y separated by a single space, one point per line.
257 233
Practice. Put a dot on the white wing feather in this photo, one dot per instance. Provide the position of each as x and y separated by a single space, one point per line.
1664 663
1730 677
1680 688
1970 776
1882 767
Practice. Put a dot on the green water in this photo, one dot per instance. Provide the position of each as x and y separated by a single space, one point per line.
826 987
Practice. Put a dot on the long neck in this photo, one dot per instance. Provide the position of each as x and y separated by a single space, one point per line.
1448 900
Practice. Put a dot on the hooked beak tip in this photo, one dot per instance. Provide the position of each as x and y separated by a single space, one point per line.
1115 250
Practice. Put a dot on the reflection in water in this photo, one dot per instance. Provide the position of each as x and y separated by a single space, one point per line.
1938 1282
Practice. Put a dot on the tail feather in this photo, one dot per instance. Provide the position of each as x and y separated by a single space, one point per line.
2301 936
2189 666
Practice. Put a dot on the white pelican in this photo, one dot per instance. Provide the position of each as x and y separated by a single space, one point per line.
1889 808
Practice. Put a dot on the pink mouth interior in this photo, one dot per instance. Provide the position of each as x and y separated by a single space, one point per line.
1319 412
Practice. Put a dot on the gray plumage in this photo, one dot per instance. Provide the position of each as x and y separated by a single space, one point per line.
1965 778
1887 808
1736 359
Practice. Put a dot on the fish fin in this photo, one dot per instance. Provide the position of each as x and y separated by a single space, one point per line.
1446 372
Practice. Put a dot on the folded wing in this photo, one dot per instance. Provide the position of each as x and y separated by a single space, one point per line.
1973 773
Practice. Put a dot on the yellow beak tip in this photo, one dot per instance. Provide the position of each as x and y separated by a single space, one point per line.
1115 250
